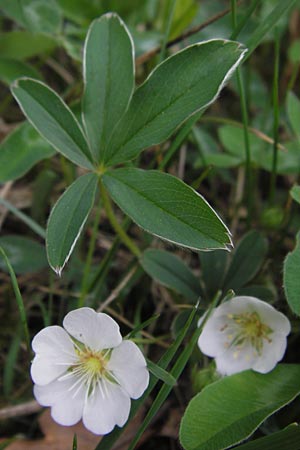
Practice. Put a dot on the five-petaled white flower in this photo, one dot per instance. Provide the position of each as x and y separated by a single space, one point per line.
245 333
85 370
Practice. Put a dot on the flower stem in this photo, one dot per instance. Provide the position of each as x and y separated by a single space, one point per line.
115 224
88 262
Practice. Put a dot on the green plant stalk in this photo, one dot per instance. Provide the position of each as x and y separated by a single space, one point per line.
84 284
115 224
244 20
26 219
266 24
19 299
171 11
248 183
275 115
108 441
10 363
175 373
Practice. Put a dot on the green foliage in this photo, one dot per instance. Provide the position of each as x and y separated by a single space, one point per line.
287 439
53 119
110 125
35 15
67 220
10 69
293 110
109 72
25 255
139 195
20 151
232 139
229 410
171 271
175 90
291 270
295 193
246 261
116 132
24 44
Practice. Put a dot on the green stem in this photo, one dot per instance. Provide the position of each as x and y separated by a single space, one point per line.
275 116
88 262
115 224
239 27
167 32
175 372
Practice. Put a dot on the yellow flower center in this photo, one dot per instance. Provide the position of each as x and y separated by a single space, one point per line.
93 363
90 370
247 328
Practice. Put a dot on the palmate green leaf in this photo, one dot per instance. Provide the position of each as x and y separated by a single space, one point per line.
172 272
247 260
229 410
178 88
52 118
67 219
291 271
165 206
108 77
25 255
20 151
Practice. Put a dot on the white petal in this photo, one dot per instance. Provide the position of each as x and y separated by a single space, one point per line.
53 341
96 330
212 339
274 319
44 370
272 353
108 406
54 354
129 367
227 364
67 405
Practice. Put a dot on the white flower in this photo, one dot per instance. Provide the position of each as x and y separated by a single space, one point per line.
85 370
245 333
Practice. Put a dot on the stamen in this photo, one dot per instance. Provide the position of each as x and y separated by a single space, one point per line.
247 328
89 371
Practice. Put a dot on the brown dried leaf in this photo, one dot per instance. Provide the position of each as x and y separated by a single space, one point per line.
57 437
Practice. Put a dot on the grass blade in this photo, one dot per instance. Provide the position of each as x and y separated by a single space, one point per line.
18 298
